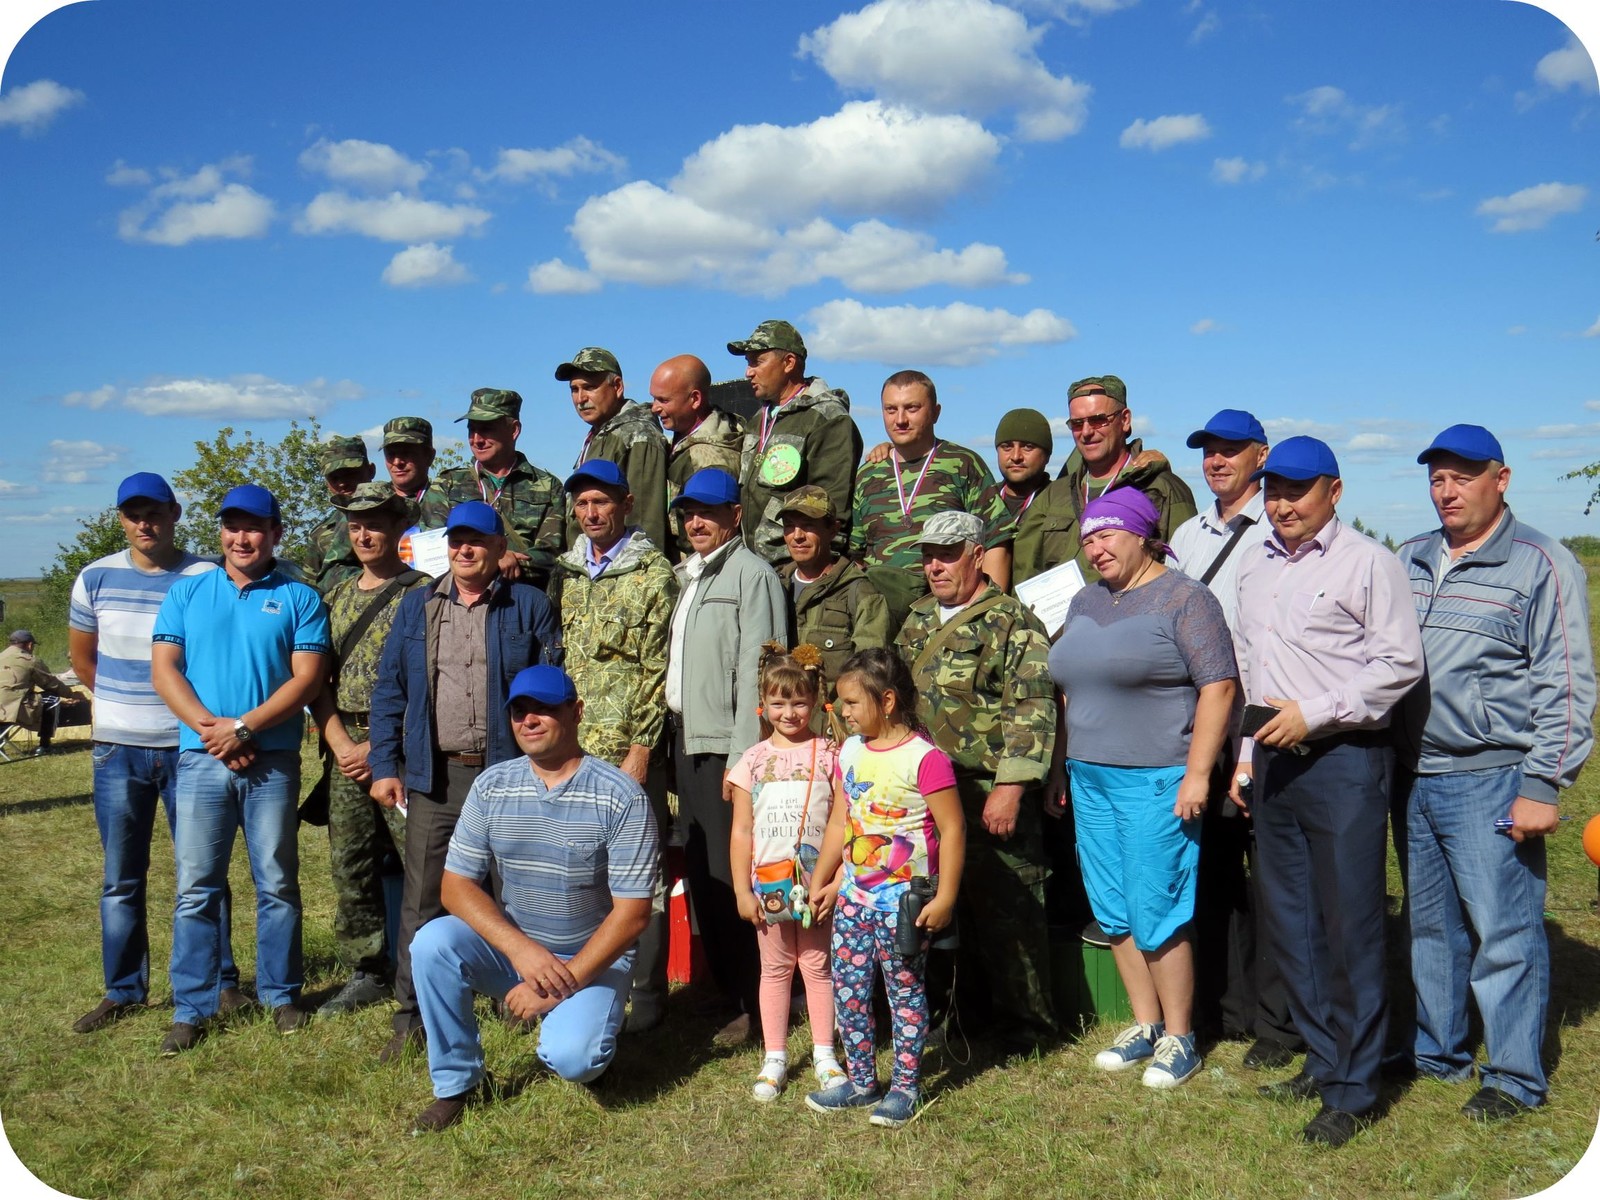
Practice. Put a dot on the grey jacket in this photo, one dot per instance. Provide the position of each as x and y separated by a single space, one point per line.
1510 676
738 606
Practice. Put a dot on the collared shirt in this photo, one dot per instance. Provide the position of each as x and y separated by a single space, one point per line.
1331 625
460 703
1197 542
596 566
693 568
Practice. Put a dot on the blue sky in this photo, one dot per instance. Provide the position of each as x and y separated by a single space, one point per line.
1363 220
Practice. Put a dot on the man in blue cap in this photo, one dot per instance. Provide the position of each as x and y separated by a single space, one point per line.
1503 724
237 654
1238 988
438 712
1327 644
113 610
574 845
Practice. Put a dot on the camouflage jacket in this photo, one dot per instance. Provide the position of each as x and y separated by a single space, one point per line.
633 440
811 439
987 697
716 443
530 503
882 535
354 676
1047 534
839 614
329 559
616 630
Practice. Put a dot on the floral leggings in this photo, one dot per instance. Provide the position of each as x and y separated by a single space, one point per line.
863 938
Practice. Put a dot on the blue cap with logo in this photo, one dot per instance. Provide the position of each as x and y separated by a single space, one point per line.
711 486
254 499
597 470
546 684
1229 425
1471 442
145 485
475 514
1300 458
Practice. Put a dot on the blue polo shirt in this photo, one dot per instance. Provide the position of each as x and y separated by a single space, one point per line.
238 643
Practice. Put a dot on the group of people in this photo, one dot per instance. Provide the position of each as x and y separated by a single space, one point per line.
884 722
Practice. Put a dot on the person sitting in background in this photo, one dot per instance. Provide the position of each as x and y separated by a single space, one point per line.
22 680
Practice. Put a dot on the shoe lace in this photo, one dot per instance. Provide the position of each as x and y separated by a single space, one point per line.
1132 1034
1168 1051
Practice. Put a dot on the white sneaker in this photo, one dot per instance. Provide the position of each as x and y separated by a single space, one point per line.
1134 1045
770 1082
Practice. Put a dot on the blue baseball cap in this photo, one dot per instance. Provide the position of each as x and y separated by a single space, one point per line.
712 485
1231 425
597 470
1471 442
145 485
1300 458
254 499
546 684
475 514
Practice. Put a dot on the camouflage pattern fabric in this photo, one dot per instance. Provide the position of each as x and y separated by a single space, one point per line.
716 443
329 559
360 833
811 439
633 440
357 674
530 502
839 614
615 629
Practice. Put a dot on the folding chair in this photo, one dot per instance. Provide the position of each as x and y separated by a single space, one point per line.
7 732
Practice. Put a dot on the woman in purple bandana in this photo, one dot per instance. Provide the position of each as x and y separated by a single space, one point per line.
1147 677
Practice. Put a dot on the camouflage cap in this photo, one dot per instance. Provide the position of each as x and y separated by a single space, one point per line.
591 360
771 335
342 453
1107 385
810 501
951 526
407 431
490 404
376 497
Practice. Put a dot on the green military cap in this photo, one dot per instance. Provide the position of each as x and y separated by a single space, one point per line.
341 453
376 497
950 527
407 431
490 404
771 335
591 360
810 501
1025 425
1100 385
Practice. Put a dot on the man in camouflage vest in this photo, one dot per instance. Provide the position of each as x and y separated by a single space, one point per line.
360 830
702 434
528 498
803 434
621 430
978 658
328 558
921 474
408 453
832 604
615 591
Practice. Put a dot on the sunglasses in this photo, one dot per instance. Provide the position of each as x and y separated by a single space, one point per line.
1092 421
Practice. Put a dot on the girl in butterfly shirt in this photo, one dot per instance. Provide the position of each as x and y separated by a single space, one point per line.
895 816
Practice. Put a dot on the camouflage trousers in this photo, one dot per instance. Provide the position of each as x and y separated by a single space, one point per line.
360 833
1001 973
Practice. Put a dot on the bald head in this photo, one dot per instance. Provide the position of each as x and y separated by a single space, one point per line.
680 394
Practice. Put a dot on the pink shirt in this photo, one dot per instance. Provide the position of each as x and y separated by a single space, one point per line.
1331 625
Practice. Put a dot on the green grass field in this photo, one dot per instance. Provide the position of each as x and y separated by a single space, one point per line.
251 1114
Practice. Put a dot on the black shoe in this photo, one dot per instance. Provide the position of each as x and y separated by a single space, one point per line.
231 1000
290 1018
1332 1127
1491 1104
103 1014
1093 935
402 1042
445 1111
182 1036
1301 1087
362 990
1267 1054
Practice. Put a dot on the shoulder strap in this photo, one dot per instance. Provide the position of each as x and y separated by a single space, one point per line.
386 594
1222 557
948 629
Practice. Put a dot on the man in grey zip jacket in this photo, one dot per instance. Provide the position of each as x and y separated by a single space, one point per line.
1501 723
730 604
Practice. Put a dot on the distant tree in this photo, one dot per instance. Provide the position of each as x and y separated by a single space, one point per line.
288 469
1592 471
101 535
1583 545
1388 541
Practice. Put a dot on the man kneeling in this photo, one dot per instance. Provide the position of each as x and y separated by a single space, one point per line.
574 844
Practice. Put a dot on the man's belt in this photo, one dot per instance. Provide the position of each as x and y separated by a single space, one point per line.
467 758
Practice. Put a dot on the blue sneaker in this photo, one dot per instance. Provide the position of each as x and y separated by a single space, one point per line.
837 1099
895 1109
1175 1060
1133 1045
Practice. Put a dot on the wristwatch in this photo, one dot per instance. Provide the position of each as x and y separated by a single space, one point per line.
242 731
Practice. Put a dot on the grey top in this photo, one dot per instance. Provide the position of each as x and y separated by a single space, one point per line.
1132 671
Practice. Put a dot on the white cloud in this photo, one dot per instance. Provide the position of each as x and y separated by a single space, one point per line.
1373 441
33 106
1203 326
77 462
1236 170
237 397
1519 330
1160 133
47 517
579 155
955 335
371 166
1208 25
874 257
393 218
427 265
1533 207
18 490
96 399
1592 405
1593 330
556 278
1568 67
1278 428
951 56
123 175
1328 111
188 208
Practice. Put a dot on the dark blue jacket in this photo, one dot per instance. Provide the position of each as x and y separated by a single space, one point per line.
521 629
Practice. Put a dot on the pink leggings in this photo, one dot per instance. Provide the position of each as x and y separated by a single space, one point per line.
781 946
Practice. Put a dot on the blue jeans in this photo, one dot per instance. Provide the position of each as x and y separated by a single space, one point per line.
1466 883
129 781
450 962
213 804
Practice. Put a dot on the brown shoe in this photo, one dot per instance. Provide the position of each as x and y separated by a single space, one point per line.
182 1036
230 1000
444 1112
735 1033
290 1018
104 1014
402 1041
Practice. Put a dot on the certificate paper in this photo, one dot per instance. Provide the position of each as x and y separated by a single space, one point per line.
1048 595
428 551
